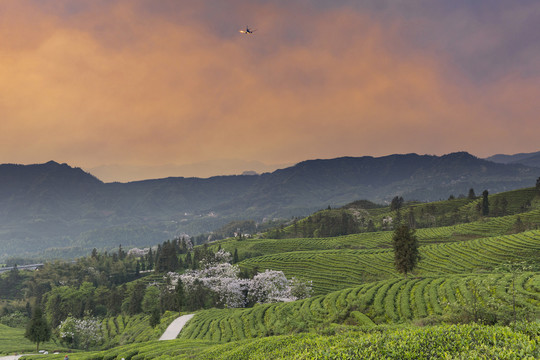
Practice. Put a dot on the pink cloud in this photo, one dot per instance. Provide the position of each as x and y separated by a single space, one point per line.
120 83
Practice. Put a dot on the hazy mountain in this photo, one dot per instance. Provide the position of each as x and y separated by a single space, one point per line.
529 159
57 206
206 169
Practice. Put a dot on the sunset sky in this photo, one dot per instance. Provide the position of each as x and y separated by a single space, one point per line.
157 82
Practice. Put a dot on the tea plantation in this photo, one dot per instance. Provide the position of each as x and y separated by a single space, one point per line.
474 294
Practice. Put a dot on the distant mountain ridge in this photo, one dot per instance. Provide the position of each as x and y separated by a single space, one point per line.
529 159
57 206
206 169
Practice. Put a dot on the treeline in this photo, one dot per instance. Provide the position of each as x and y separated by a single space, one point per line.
107 284
325 223
364 216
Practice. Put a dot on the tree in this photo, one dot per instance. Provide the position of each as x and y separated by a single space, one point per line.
38 329
397 203
485 203
518 225
151 300
538 184
504 206
405 246
155 318
412 219
370 226
472 195
180 296
134 301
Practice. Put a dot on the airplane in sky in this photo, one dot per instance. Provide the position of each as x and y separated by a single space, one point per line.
247 31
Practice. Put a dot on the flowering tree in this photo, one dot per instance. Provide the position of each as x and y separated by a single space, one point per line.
80 333
224 286
270 286
221 279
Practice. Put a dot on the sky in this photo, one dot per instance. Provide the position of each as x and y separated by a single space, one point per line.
153 83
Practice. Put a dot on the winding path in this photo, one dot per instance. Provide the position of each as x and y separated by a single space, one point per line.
175 327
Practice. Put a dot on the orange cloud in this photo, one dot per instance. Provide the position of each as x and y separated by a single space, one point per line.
121 84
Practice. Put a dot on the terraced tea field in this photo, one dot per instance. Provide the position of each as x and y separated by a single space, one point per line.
336 269
432 342
377 240
395 300
122 329
362 308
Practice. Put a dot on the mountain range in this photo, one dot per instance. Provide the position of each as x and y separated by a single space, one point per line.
529 159
54 209
206 169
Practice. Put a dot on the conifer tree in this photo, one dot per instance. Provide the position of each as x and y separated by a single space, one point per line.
485 203
405 246
180 297
38 329
155 317
472 195
134 305
412 219
397 203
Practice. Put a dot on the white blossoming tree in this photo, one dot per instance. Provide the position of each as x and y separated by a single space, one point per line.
270 286
224 286
221 279
218 281
80 333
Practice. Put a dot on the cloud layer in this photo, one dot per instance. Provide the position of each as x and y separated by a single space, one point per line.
149 83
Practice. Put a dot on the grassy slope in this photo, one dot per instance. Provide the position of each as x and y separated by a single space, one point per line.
12 341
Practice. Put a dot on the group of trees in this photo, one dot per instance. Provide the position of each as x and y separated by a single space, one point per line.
70 296
221 284
11 284
324 223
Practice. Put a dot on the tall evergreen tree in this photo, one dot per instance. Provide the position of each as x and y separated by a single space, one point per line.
135 301
370 226
180 296
397 203
187 261
485 203
471 195
405 246
38 329
114 301
538 184
121 253
412 219
150 259
504 206
155 318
